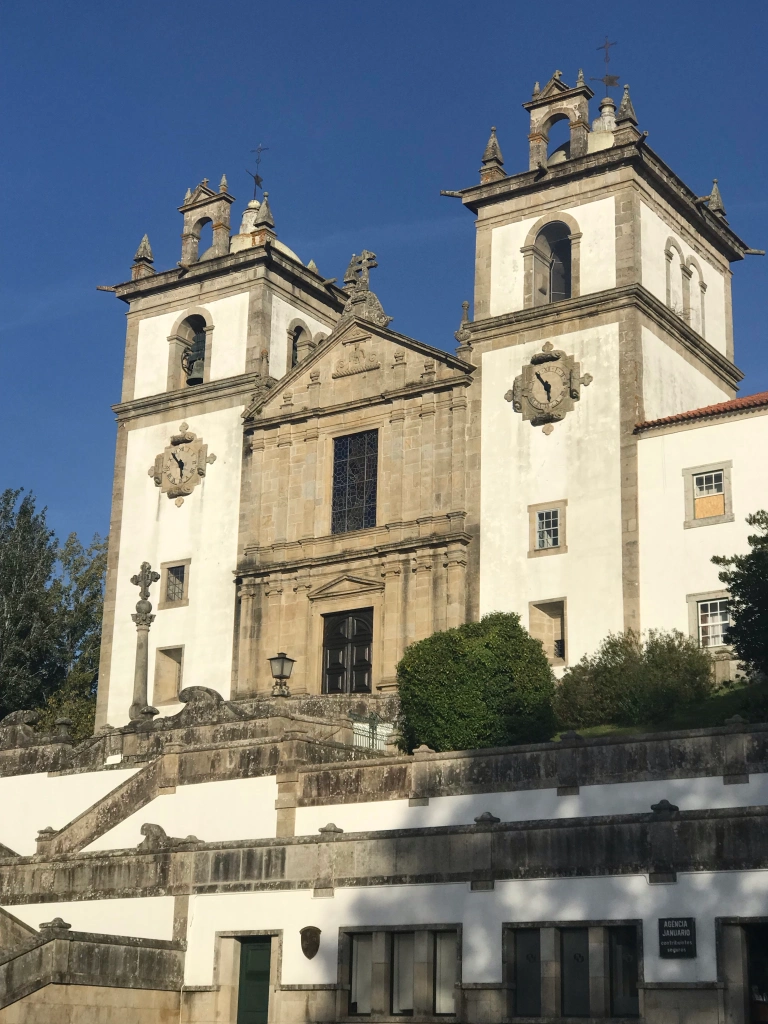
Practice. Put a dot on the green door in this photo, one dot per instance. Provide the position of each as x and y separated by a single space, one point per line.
253 998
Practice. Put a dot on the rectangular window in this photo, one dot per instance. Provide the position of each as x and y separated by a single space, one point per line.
361 972
709 494
174 583
168 666
624 971
446 944
402 973
574 971
714 619
355 468
527 953
347 652
548 528
546 622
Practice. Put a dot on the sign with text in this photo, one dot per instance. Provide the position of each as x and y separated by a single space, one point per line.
677 938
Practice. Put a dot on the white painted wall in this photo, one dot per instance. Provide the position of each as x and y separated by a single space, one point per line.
32 802
701 895
654 234
282 314
597 254
204 529
670 383
147 918
579 460
212 811
230 322
536 804
675 562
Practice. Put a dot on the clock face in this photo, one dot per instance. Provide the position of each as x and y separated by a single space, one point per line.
180 463
548 387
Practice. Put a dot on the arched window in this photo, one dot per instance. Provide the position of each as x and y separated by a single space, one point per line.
193 357
553 259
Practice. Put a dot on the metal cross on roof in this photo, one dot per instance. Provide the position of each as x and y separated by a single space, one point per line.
609 81
258 181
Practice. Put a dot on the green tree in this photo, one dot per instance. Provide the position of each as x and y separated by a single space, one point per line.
484 684
634 681
51 600
746 577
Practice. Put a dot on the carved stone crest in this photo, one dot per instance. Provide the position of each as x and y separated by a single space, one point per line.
310 941
355 360
178 469
548 387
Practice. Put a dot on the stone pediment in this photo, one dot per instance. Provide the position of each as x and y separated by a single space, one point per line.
358 360
346 585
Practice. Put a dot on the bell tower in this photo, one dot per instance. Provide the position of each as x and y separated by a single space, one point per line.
595 265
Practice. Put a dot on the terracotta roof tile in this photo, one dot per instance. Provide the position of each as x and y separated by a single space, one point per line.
720 409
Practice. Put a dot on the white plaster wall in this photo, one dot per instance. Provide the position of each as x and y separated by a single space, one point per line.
654 234
703 896
507 271
32 802
204 529
212 811
282 314
537 804
675 562
579 460
230 322
670 383
146 918
597 223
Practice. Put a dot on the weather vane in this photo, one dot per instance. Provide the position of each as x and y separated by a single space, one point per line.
258 181
609 81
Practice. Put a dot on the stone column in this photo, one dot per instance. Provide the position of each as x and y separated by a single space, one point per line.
246 669
456 569
143 619
392 627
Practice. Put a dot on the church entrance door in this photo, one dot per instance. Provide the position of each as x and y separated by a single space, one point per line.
347 641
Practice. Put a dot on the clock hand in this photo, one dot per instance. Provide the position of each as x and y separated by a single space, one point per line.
179 463
545 384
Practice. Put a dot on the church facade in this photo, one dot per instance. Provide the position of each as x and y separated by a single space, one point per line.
300 492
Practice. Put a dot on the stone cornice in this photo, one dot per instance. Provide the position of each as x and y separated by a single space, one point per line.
644 161
241 386
260 562
222 266
610 300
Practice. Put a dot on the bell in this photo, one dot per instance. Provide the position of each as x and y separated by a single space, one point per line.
196 374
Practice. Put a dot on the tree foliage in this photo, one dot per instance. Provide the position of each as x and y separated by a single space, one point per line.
746 577
483 684
631 680
50 616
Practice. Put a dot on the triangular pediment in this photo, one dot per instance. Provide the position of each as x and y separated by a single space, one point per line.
357 361
345 586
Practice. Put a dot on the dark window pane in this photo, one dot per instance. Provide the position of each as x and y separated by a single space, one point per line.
527 972
355 468
174 588
574 966
623 947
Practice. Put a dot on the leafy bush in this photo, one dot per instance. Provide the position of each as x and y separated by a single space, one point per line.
484 684
630 681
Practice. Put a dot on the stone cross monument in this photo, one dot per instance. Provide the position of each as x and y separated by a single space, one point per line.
143 619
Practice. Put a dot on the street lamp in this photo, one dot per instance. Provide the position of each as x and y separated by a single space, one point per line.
281 666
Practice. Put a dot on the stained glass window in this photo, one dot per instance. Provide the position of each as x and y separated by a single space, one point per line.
355 459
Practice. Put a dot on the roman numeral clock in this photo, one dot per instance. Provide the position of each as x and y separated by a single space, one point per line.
548 387
178 469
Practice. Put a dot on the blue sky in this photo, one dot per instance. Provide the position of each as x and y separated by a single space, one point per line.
112 110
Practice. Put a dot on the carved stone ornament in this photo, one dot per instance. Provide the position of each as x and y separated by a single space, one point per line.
178 469
310 941
356 360
548 387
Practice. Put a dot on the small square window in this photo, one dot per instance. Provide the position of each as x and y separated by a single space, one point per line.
548 528
708 499
174 576
714 619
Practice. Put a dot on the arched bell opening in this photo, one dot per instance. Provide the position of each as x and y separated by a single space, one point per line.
194 333
553 264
